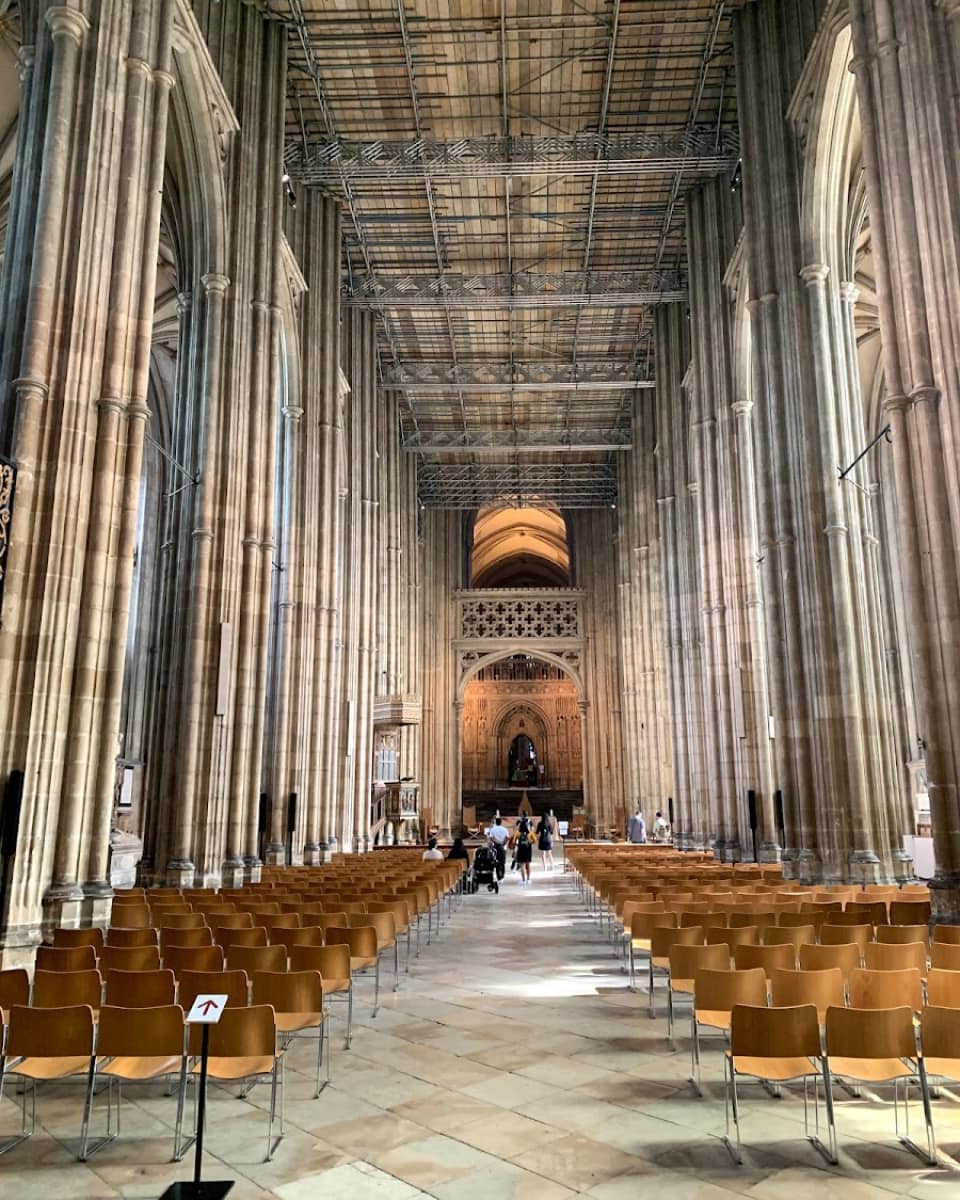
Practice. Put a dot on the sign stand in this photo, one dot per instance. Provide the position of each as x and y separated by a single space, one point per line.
206 1011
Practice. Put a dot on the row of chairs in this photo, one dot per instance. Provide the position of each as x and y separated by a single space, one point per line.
143 1045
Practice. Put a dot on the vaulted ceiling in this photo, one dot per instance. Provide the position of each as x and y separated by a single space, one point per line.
513 176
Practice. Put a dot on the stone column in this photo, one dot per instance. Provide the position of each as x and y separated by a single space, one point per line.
906 69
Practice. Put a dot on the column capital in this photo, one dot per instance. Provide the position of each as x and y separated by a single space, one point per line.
926 395
139 64
896 403
164 78
138 412
849 292
26 57
184 302
64 21
814 273
742 408
111 404
215 284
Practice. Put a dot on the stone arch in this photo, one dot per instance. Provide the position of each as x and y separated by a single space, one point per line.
568 661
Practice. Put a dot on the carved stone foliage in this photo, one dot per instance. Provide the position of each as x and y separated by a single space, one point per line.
7 478
537 617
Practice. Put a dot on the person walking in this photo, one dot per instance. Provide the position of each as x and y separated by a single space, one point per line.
545 841
498 836
637 828
523 849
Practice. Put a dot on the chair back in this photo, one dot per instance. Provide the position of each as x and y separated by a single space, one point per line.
745 935
130 958
193 958
820 988
841 935
789 935
140 1032
943 991
66 958
784 1032
140 989
316 919
664 936
895 935
940 1031
945 956
870 1033
232 984
819 958
761 918
199 936
947 934
895 956
67 938
872 911
769 958
886 989
175 920
289 991
332 962
245 1033
909 912
686 961
280 920
67 989
51 1032
227 920
130 916
229 935
257 958
719 991
123 936
802 920
14 987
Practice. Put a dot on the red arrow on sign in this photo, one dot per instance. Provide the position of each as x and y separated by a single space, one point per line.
207 1005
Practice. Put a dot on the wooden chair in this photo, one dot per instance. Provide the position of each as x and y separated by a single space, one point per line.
715 993
895 956
138 1044
224 919
130 958
333 965
280 920
644 921
67 989
845 958
823 989
945 956
364 952
121 936
947 934
243 1046
745 935
878 1046
886 989
943 990
140 989
663 937
873 912
46 1044
297 1001
684 963
802 920
130 916
776 1045
760 918
66 958
385 926
193 958
257 958
14 990
769 958
940 1039
68 938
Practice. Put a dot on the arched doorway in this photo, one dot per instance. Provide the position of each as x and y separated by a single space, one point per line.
521 730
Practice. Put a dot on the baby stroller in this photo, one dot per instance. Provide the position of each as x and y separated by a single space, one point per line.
485 869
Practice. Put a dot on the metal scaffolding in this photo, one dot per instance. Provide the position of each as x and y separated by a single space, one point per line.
456 485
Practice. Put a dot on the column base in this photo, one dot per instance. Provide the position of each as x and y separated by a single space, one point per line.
19 948
312 854
232 873
275 855
62 908
866 867
252 869
769 852
180 873
808 866
902 867
728 850
945 898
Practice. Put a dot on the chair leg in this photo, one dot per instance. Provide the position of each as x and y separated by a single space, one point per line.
86 1149
350 1012
273 1107
180 1147
376 987
396 965
26 1130
731 1104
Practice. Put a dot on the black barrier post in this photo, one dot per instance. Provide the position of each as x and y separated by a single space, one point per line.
752 810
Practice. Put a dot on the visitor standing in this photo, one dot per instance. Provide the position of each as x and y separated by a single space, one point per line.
637 828
545 841
523 849
499 835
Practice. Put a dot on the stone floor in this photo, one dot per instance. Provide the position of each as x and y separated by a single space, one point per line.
513 1063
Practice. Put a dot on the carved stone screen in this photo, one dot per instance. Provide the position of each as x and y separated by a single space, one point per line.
543 617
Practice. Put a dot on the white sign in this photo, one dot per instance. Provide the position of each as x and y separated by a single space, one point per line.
207 1010
563 827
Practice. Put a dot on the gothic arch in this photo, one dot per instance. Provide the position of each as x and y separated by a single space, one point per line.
568 661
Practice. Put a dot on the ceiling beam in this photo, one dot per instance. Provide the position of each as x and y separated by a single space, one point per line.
516 441
577 485
329 162
522 289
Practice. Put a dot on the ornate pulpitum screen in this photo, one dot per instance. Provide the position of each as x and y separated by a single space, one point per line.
511 615
8 477
546 624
